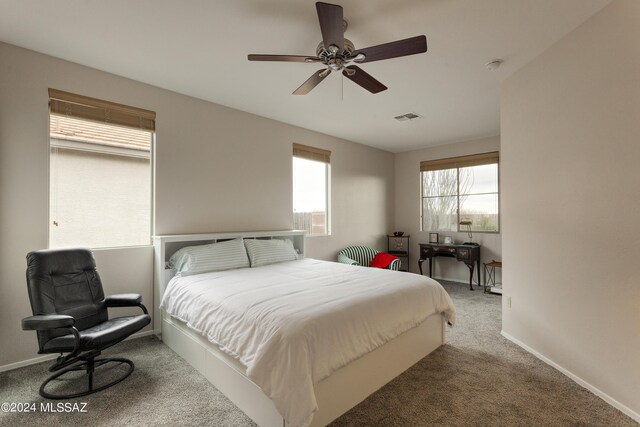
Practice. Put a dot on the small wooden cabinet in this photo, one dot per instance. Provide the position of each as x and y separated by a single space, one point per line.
399 246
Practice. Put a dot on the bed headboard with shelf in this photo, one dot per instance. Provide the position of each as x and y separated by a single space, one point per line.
166 245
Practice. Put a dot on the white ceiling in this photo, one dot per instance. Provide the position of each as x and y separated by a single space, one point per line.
200 47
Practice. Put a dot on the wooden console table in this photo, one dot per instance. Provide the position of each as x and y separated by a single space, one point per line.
469 254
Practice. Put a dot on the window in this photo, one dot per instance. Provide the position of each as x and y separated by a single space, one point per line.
311 189
461 189
100 172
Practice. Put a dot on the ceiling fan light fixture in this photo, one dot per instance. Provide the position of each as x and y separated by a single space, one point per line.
337 53
332 51
359 57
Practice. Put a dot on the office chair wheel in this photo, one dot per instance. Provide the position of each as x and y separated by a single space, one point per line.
90 366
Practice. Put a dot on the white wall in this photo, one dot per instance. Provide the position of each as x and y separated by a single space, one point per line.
407 208
570 131
217 169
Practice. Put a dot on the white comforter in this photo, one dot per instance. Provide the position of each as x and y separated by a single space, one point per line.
292 324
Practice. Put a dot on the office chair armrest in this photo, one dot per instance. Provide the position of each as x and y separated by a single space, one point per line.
123 300
47 321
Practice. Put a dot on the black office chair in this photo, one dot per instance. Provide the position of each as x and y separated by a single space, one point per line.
70 316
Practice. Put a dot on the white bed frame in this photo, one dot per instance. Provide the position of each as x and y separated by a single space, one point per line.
335 395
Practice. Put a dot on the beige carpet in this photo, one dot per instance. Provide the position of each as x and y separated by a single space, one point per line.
477 379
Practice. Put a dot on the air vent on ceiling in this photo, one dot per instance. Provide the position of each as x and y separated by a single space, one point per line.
408 116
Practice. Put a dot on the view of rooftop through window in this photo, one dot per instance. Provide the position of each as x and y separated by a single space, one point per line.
100 184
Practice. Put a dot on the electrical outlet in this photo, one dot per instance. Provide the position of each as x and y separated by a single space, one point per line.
509 301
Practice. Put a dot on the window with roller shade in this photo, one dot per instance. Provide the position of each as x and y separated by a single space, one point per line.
100 172
461 189
311 169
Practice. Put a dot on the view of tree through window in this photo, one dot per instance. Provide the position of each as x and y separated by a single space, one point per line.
466 193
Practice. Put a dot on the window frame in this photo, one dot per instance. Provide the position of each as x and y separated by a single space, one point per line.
147 123
458 163
321 156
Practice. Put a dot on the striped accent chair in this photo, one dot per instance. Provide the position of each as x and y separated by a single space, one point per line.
362 255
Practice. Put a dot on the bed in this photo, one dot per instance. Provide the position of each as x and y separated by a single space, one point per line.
299 342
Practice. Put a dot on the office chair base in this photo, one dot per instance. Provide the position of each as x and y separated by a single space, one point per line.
89 366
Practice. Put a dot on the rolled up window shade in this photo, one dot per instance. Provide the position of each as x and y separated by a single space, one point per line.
83 107
460 162
311 153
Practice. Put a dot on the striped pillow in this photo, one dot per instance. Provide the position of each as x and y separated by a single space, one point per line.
265 252
213 257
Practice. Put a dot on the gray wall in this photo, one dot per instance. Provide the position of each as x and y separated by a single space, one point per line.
217 169
571 197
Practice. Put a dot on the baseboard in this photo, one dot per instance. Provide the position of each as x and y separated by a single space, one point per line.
140 335
610 400
450 280
27 362
458 280
47 357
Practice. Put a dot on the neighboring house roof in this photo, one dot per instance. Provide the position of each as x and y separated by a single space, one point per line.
77 130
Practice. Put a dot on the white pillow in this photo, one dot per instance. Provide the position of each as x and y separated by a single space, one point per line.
212 257
265 252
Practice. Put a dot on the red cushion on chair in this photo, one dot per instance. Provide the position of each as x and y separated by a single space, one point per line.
382 260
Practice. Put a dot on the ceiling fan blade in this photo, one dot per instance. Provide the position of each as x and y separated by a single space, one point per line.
331 24
311 82
283 58
410 46
363 79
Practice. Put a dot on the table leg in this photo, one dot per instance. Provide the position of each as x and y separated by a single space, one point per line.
471 268
430 267
420 261
485 278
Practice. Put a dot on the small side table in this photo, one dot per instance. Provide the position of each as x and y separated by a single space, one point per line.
399 246
490 285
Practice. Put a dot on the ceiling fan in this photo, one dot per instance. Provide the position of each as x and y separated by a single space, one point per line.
339 54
